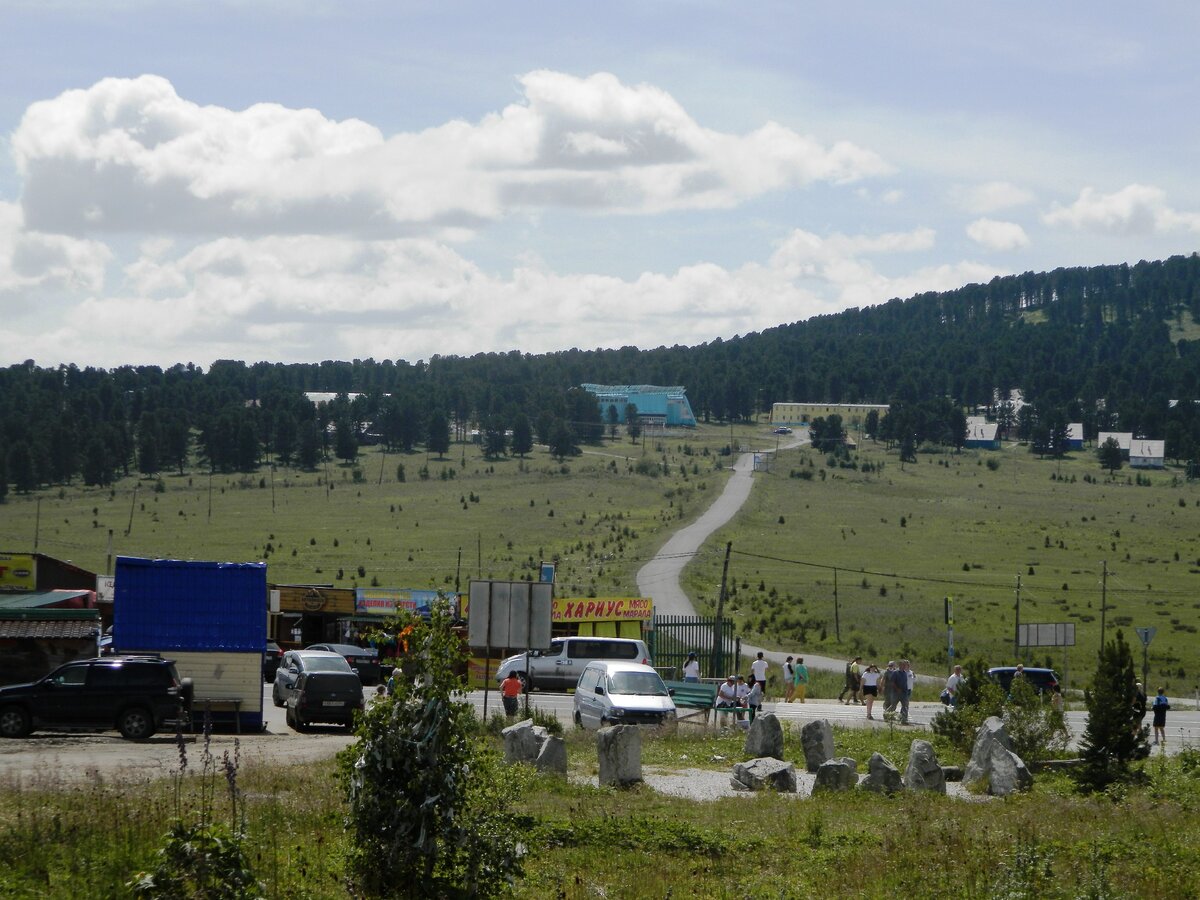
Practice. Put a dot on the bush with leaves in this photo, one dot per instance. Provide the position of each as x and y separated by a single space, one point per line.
1112 738
979 698
428 799
1037 730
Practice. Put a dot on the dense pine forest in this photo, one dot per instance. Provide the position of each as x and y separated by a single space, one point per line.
1114 347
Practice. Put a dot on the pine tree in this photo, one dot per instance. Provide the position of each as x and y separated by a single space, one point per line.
1112 739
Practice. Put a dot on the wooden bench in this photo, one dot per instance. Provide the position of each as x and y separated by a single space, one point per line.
233 705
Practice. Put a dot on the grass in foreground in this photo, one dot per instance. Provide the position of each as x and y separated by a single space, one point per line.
63 841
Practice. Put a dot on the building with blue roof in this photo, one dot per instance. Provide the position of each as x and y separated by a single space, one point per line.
655 405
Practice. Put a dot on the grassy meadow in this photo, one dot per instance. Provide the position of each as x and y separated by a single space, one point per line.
600 515
965 525
71 839
960 524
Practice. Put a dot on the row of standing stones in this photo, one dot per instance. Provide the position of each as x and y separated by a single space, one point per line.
993 768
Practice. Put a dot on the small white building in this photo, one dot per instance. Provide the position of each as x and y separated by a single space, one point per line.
1123 439
1075 435
1144 454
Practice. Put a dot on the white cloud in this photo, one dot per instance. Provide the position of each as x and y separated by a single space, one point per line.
304 297
996 235
1136 209
31 260
132 155
991 196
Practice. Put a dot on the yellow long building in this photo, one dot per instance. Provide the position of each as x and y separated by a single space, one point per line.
853 414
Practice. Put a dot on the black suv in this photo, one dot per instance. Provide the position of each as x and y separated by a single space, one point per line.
136 695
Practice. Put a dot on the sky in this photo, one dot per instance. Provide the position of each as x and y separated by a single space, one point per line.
330 179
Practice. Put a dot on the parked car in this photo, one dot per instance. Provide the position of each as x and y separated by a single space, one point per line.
363 660
1042 680
621 693
317 686
783 429
559 667
271 657
136 695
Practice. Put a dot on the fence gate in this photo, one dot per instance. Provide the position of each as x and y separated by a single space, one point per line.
713 642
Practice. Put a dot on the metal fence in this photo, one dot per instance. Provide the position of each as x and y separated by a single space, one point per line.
713 642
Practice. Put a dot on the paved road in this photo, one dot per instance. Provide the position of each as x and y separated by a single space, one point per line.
659 578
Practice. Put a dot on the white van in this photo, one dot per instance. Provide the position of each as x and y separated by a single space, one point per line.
619 693
559 667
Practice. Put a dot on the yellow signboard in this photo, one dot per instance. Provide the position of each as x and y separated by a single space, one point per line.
18 572
602 609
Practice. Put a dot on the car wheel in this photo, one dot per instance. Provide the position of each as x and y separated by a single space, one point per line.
135 724
294 721
14 722
276 699
578 720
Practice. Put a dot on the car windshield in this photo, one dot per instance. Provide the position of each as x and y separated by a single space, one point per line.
645 684
326 664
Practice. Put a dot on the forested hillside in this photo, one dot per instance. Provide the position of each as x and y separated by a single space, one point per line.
1110 346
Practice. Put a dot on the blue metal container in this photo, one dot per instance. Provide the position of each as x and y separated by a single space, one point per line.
170 604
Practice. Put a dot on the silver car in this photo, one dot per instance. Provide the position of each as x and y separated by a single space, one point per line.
619 693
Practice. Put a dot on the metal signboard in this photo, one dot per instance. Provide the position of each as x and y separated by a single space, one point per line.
1146 634
510 614
1048 634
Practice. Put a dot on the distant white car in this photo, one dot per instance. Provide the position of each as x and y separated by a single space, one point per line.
622 693
783 429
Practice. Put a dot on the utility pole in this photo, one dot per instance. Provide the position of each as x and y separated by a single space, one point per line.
37 524
1103 599
1017 624
950 632
717 656
458 571
837 625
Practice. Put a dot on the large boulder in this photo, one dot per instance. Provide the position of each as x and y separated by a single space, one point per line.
836 775
923 772
553 756
993 766
760 774
523 741
619 748
816 740
765 737
882 776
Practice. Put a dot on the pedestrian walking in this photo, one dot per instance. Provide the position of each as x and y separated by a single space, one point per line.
1159 709
953 683
510 692
889 689
853 682
910 680
801 678
758 671
691 668
789 683
870 687
1139 707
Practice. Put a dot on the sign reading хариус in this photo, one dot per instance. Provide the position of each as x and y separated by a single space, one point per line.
602 609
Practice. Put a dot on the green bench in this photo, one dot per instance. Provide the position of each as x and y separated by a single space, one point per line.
701 698
692 695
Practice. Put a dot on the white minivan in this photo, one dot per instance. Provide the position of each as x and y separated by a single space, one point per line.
621 693
558 667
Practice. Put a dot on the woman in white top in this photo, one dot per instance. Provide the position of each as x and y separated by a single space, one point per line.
870 686
691 668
